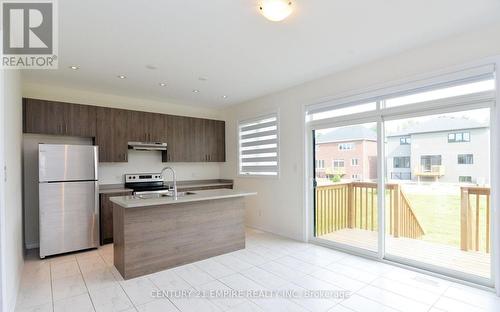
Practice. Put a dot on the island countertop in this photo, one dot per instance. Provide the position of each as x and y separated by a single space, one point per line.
195 196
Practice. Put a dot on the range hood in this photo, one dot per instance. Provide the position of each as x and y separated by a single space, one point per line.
147 146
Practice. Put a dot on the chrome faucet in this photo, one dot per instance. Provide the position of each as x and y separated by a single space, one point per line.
173 178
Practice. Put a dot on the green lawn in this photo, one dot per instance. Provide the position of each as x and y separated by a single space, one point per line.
437 210
439 216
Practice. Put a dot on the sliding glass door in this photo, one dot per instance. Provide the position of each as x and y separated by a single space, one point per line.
345 161
407 176
438 191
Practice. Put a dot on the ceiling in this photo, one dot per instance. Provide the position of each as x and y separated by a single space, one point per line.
233 49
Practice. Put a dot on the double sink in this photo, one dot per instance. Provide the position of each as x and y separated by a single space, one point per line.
162 194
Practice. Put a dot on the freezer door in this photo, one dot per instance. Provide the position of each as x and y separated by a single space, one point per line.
58 162
69 217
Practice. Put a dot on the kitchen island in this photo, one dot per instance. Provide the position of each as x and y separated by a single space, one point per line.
156 233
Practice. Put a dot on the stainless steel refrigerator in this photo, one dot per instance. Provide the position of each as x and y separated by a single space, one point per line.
68 198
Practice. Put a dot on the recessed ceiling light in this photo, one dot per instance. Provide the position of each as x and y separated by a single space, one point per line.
224 96
196 91
122 76
75 67
162 84
152 67
276 10
203 78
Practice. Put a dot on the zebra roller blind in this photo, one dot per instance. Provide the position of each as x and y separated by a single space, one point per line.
259 146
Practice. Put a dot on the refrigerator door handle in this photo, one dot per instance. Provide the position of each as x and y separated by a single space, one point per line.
96 163
96 209
97 218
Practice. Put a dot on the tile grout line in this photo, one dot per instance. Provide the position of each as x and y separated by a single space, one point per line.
157 286
440 296
84 282
51 287
120 284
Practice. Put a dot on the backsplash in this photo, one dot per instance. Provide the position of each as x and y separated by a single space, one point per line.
150 162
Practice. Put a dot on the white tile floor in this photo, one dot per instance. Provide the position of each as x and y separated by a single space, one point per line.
88 281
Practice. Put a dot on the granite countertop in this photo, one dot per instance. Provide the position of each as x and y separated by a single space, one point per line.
120 188
134 202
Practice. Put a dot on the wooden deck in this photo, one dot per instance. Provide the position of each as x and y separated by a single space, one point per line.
471 262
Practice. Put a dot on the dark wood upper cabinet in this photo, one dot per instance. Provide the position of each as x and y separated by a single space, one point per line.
181 143
138 130
220 135
147 127
195 140
58 118
112 134
188 139
158 127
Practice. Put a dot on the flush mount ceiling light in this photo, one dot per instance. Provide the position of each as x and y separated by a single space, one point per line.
74 67
276 10
196 91
122 76
162 84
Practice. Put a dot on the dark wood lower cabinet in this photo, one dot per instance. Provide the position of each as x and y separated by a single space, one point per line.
106 216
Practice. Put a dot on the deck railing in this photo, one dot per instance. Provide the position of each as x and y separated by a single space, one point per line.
354 205
475 218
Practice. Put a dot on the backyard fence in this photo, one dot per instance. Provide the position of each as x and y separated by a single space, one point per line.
475 218
354 205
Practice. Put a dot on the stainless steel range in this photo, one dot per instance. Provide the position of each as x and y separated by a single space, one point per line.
150 185
146 183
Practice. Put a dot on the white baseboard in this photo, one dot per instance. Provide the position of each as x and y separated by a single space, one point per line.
32 245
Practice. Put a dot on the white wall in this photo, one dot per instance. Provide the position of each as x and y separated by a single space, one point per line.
279 205
3 279
11 121
109 173
149 161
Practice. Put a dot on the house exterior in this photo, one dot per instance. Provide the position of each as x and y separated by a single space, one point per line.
445 149
349 153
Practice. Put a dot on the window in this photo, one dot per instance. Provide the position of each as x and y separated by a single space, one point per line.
401 162
459 137
338 163
465 159
428 161
465 179
356 177
330 112
320 164
355 162
346 146
443 92
258 146
405 141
